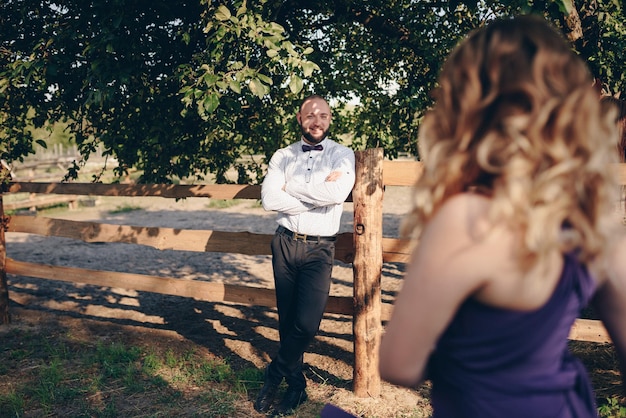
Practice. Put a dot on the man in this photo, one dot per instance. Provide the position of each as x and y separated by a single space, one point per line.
306 184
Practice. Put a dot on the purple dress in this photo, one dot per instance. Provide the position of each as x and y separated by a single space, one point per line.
498 363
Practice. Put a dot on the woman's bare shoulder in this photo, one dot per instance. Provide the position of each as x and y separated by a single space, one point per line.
467 213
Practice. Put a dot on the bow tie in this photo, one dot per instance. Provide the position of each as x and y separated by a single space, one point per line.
317 147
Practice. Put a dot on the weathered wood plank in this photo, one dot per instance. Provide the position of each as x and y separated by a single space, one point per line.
175 191
407 172
157 237
401 172
199 290
583 329
589 330
41 202
162 238
397 250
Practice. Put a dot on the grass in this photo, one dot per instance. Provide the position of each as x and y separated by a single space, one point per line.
612 409
222 203
60 375
125 208
228 203
50 371
602 365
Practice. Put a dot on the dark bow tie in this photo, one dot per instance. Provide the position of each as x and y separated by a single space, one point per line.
317 147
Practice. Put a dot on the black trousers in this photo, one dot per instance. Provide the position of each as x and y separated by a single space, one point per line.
302 277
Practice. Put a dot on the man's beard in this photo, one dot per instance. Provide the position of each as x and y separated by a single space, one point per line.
311 139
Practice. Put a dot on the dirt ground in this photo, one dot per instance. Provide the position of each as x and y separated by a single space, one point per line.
244 335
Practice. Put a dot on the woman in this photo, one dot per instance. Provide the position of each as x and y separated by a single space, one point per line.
517 231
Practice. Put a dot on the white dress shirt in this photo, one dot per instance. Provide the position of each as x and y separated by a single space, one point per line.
295 186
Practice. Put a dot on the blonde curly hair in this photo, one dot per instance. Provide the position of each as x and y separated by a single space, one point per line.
516 117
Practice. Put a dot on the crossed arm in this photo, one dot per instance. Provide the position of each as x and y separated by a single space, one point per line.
285 195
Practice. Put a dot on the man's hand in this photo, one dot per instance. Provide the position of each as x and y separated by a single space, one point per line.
333 176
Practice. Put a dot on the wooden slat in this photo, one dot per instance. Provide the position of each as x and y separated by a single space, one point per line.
207 291
395 173
162 238
39 202
199 290
407 172
583 329
157 237
394 250
401 172
589 330
176 191
397 250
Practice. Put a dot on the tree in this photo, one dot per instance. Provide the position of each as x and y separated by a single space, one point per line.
187 88
114 71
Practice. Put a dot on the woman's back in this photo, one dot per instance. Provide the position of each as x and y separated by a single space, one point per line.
493 362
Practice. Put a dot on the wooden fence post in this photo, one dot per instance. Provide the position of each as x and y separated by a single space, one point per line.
367 268
5 317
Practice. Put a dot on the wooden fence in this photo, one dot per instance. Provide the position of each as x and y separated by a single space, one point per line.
365 248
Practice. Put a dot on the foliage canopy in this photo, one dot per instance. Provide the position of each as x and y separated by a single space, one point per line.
186 88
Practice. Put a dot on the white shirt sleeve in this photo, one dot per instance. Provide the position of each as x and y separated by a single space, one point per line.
273 197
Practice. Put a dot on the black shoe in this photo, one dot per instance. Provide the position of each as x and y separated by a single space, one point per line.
265 398
291 400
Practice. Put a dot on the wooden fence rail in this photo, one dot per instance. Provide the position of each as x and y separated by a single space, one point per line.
365 248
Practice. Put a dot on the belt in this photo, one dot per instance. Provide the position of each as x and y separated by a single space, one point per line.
304 237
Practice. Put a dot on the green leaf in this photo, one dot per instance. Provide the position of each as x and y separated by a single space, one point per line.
308 67
255 87
258 88
235 86
211 102
295 84
565 6
276 28
42 143
222 13
290 49
242 9
265 79
237 65
209 79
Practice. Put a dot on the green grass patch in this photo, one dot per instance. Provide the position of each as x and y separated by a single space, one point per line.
612 408
124 209
12 404
56 374
256 204
222 203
